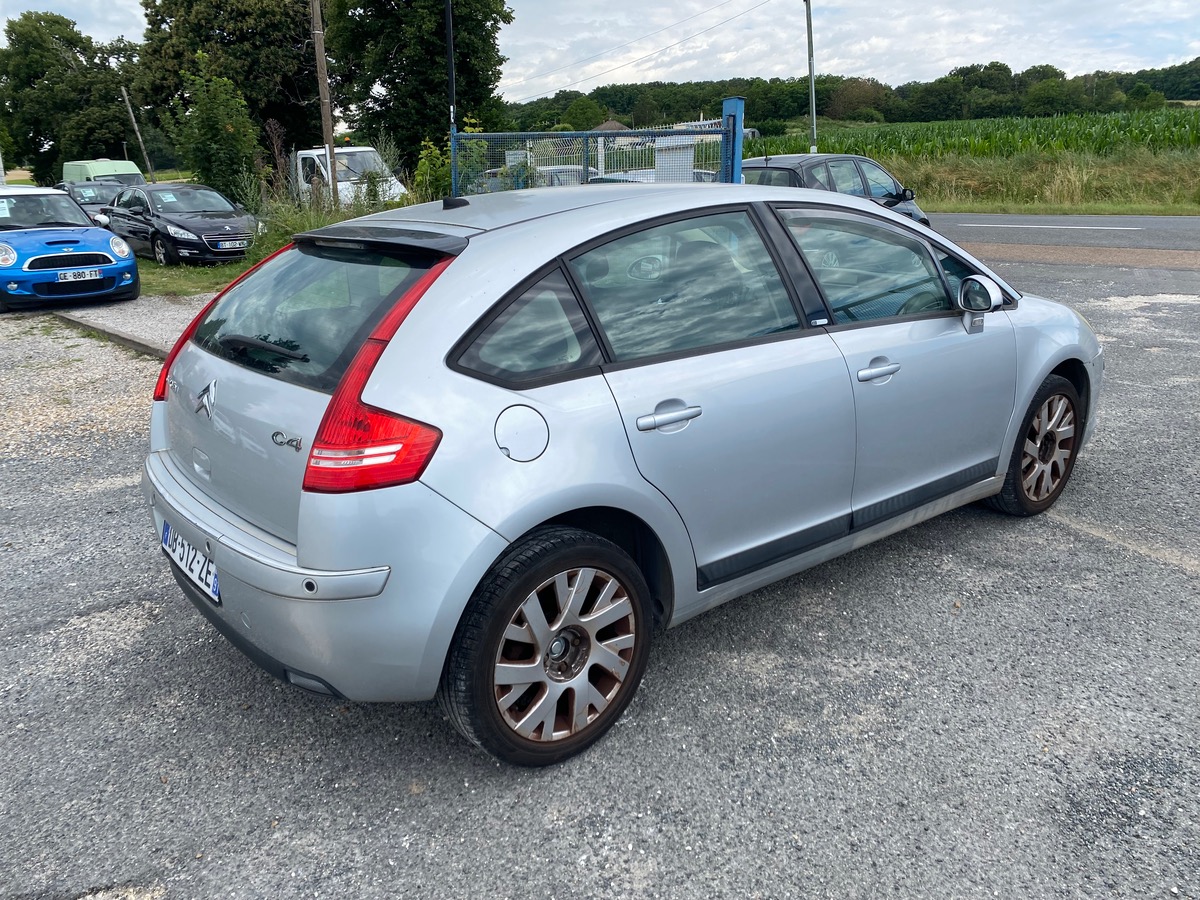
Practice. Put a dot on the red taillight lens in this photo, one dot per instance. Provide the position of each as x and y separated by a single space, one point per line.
359 447
160 387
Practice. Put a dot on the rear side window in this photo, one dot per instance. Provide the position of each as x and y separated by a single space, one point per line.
303 315
773 177
685 286
541 333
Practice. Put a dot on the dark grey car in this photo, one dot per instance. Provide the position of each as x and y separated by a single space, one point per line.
841 172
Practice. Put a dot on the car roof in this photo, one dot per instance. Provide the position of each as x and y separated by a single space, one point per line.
794 160
640 200
26 190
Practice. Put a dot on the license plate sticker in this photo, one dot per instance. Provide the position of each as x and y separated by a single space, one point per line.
80 275
232 245
199 569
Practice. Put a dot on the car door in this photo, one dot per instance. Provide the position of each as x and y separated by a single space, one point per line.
131 212
932 401
739 416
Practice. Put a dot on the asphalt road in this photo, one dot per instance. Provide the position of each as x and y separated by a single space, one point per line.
977 706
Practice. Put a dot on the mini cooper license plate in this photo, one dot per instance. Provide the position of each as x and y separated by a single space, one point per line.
80 275
199 569
232 245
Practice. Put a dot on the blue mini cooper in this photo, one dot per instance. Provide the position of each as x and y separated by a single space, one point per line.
50 251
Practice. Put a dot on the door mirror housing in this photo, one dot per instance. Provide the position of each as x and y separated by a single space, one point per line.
907 195
977 294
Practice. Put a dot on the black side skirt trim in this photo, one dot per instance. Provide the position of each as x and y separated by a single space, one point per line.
764 555
926 493
739 564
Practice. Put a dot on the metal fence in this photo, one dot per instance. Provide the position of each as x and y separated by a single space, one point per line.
483 163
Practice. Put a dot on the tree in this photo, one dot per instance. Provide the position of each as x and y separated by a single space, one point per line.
389 65
1141 96
60 93
854 95
584 114
262 46
213 133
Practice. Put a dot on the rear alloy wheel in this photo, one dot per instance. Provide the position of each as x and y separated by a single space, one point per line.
164 253
1044 456
550 649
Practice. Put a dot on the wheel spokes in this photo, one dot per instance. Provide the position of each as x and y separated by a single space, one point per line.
564 655
1048 447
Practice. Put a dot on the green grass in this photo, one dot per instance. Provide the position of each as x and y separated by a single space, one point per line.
186 280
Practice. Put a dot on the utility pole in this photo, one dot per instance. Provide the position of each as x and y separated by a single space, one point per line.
453 98
812 79
318 33
138 132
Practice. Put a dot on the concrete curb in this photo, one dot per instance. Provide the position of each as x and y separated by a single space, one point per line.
115 335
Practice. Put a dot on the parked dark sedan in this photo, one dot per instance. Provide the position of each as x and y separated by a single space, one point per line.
181 222
854 175
92 196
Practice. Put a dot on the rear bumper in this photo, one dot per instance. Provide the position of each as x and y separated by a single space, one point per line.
366 633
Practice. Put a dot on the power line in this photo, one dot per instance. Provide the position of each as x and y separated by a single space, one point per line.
579 62
648 55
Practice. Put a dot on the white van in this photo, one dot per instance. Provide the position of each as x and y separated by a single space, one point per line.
122 170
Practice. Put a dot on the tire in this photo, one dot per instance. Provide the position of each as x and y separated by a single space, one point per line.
534 678
164 253
1044 456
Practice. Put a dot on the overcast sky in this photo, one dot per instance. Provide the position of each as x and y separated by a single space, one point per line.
553 44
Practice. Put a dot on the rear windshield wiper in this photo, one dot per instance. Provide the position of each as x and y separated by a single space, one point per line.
253 343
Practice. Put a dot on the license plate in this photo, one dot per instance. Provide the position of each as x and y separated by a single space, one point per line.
196 566
80 275
232 245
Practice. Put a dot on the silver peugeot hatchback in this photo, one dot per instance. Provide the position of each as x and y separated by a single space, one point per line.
484 450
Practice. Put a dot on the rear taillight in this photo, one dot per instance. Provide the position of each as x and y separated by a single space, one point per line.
357 446
160 388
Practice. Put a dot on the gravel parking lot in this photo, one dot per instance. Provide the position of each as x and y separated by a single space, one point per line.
977 706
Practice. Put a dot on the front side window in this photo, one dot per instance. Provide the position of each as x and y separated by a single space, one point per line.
867 271
130 199
542 333
302 315
685 285
879 182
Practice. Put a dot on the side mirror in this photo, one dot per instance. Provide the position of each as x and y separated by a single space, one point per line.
101 219
907 195
977 294
137 210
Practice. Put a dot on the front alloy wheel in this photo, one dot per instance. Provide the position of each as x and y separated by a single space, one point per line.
550 649
1044 456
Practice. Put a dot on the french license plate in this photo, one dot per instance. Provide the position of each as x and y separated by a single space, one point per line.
196 566
232 245
80 275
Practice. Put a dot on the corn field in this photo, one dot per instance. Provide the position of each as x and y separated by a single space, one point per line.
1157 131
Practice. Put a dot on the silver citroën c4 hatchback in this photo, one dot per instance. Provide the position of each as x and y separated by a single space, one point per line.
485 450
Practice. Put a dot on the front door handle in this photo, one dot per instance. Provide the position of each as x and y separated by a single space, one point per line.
873 372
658 420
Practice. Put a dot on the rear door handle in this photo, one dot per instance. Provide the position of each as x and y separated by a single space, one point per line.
658 420
870 374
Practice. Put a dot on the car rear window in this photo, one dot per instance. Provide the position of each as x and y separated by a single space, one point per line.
303 315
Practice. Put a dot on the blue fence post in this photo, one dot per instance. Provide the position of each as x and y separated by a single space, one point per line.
733 111
453 162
